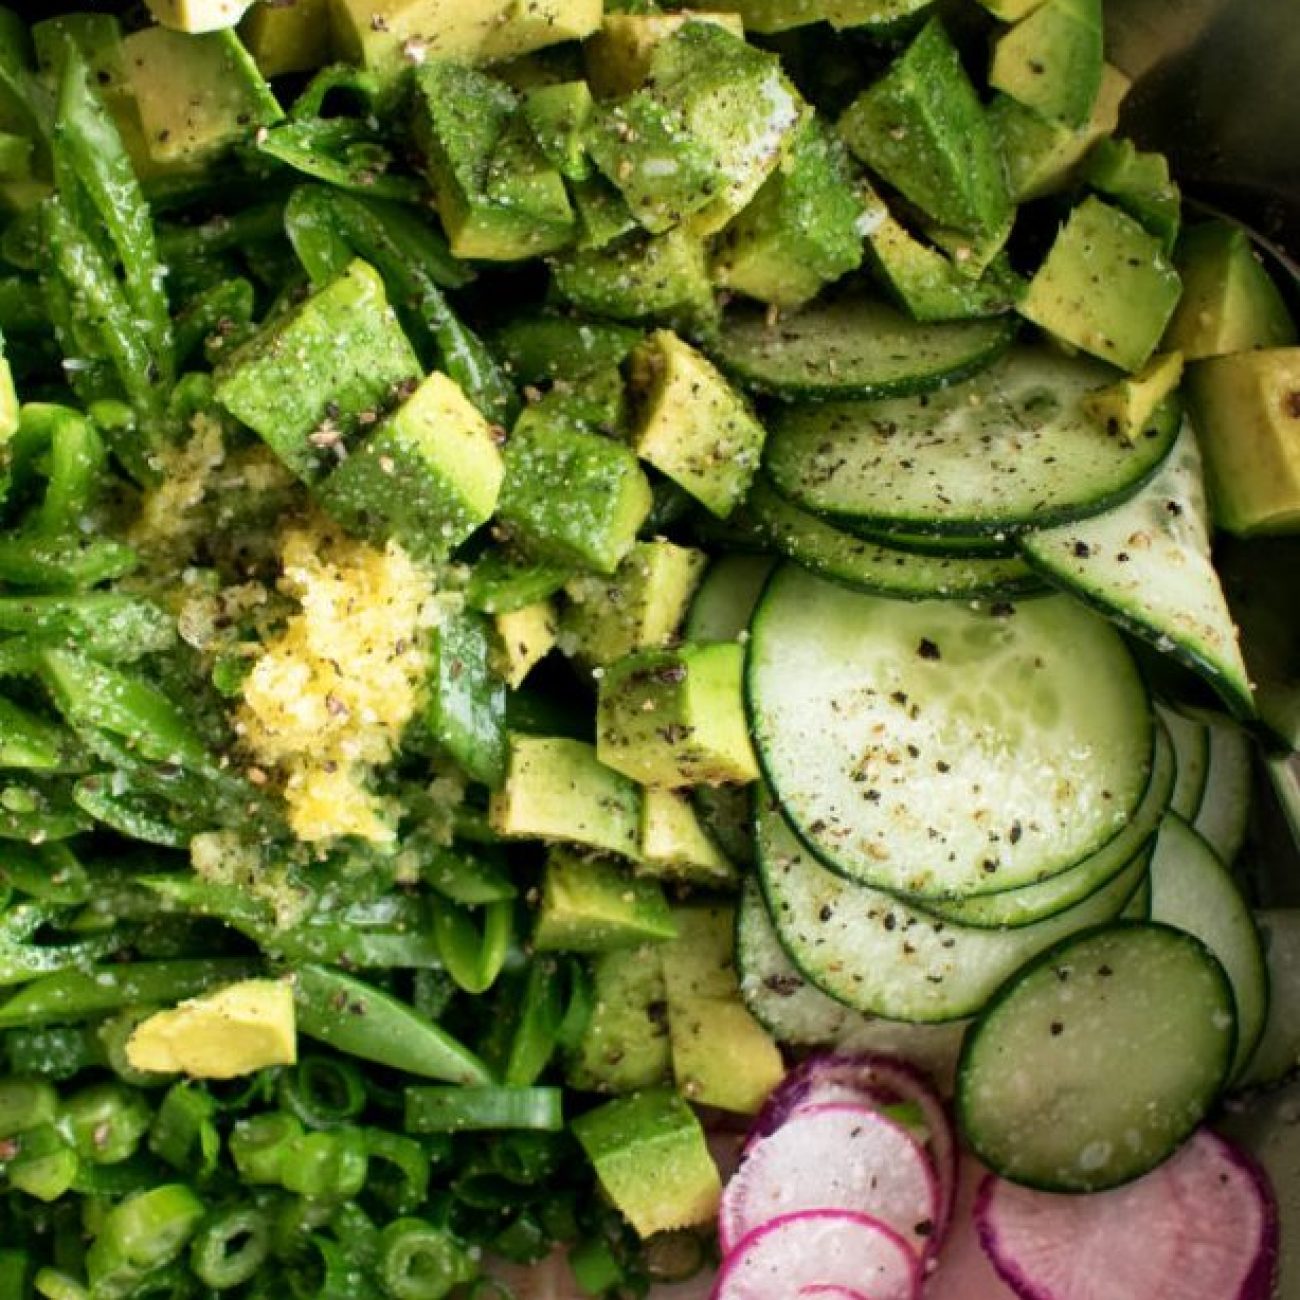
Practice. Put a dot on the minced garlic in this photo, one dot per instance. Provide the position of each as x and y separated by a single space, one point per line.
328 698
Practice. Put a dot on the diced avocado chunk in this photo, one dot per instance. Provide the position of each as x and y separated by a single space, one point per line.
618 56
639 607
692 425
287 35
657 277
652 1160
233 1031
1127 407
557 789
571 495
1106 287
625 1044
538 349
676 717
307 381
721 1055
389 35
8 410
196 95
1051 60
1229 303
1011 11
803 229
560 116
498 197
1042 156
769 16
1246 407
922 127
466 705
428 476
525 636
198 15
675 844
928 285
1140 184
596 904
502 581
603 214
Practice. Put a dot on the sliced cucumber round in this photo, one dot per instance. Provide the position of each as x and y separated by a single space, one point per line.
883 957
1193 891
952 545
1224 811
725 599
1191 740
1031 903
1008 450
854 348
822 548
937 749
1094 1064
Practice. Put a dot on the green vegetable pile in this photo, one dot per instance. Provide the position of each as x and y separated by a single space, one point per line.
361 422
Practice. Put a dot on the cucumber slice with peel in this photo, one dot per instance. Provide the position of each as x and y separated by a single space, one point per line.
1224 810
1094 1064
1191 740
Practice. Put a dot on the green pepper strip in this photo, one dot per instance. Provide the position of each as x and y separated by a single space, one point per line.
473 958
79 994
362 1021
455 1110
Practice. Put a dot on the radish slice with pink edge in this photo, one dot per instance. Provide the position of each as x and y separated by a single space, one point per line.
821 1292
1202 1226
872 1079
834 1157
962 1270
852 1253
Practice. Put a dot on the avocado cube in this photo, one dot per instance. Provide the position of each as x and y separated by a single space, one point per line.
598 400
525 636
618 56
542 348
1042 156
922 127
195 16
657 277
735 102
1011 11
770 16
560 117
428 476
498 197
652 1160
287 35
693 426
645 149
1106 287
466 705
1051 60
603 214
721 1055
674 843
1246 408
595 904
196 95
1229 302
557 789
310 379
639 607
802 231
502 581
571 495
1127 407
676 717
625 1044
8 412
1140 184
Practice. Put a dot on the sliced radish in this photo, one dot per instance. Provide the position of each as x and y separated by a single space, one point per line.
820 1253
1202 1226
962 1270
872 1079
834 1157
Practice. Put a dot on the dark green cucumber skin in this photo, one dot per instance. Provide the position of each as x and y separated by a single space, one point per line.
970 1045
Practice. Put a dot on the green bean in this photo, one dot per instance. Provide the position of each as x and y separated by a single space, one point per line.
230 1247
223 312
30 741
343 151
44 1165
313 230
49 873
109 626
537 1023
330 1166
323 1092
131 812
362 1021
67 563
55 1053
36 811
473 957
260 1145
420 1262
336 76
142 1233
454 1110
408 1190
471 879
79 994
106 1122
184 1133
183 244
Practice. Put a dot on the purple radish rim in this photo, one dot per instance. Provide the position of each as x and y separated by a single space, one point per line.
733 1258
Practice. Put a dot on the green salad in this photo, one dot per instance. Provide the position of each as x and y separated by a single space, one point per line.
557 556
